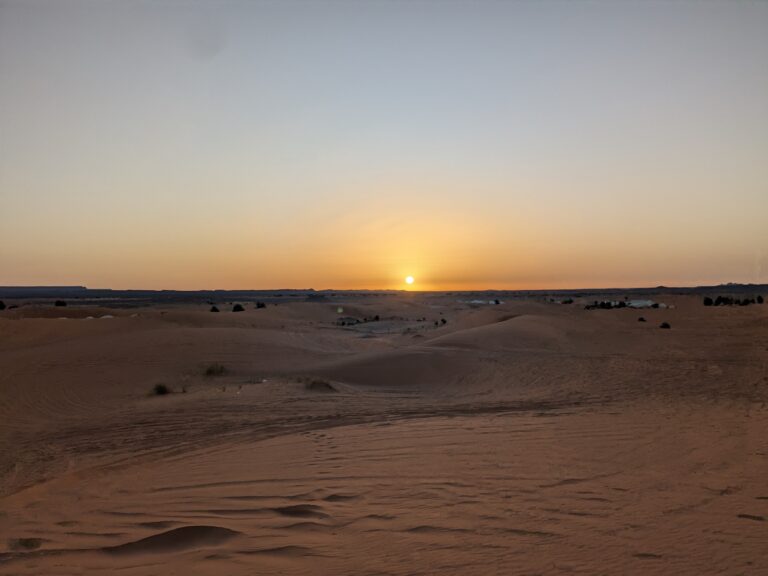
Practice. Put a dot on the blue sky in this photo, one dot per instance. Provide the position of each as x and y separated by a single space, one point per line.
348 144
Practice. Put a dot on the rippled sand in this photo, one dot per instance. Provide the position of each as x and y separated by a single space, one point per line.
526 438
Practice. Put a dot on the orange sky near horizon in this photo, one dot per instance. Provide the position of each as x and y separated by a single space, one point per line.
334 145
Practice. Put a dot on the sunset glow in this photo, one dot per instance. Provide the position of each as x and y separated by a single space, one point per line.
450 139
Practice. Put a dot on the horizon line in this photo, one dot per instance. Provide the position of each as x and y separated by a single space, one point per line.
41 287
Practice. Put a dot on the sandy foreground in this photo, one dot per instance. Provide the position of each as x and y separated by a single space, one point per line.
524 438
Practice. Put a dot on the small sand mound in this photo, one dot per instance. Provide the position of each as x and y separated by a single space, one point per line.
308 526
289 551
301 511
517 331
25 543
404 368
429 529
175 540
320 386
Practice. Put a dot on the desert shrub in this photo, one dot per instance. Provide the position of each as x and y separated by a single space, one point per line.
641 319
2 305
604 305
708 301
725 301
214 309
759 300
665 325
160 390
443 321
260 305
238 308
655 305
59 303
215 369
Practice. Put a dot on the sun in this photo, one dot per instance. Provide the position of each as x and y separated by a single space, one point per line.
409 279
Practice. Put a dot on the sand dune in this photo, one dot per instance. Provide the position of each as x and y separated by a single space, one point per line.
525 438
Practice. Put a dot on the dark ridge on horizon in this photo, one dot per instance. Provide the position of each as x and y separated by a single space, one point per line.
83 293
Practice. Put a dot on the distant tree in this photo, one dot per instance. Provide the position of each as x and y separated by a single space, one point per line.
665 325
497 302
708 301
59 303
2 305
214 309
238 308
376 318
759 300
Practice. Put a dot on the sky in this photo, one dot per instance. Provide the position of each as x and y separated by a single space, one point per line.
472 145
